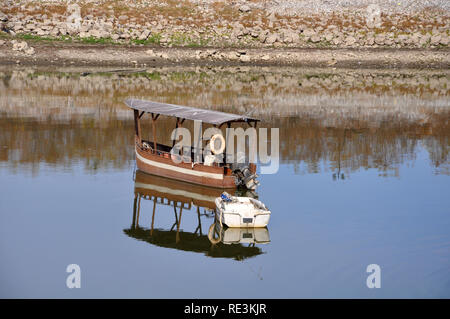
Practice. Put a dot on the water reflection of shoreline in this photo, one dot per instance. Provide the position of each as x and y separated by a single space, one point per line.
365 95
100 145
348 120
215 242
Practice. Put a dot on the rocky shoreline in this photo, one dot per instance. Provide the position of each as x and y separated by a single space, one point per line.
225 24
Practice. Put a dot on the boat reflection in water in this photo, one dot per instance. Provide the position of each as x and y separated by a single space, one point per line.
217 241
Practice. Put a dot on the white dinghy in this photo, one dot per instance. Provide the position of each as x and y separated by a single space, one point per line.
235 235
236 211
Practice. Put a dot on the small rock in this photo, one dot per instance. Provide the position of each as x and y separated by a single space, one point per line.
30 26
337 41
379 39
315 38
331 62
263 36
402 39
435 39
19 46
444 40
277 45
244 8
144 35
244 58
370 41
415 38
3 17
164 56
54 32
424 39
29 51
329 36
350 40
289 36
84 35
73 21
95 33
272 38
41 32
308 32
254 34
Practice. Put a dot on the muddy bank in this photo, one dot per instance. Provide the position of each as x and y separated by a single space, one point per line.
68 54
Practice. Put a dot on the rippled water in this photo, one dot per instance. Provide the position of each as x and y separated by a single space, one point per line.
363 179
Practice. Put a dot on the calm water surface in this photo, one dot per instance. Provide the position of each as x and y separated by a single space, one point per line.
363 179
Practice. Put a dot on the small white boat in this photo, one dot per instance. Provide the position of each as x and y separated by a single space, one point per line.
235 235
236 211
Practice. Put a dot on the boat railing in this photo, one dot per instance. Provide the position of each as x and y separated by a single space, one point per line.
166 201
147 146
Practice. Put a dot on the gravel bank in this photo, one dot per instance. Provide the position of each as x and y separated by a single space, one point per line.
62 54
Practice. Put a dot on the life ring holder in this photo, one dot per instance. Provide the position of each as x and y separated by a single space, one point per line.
212 142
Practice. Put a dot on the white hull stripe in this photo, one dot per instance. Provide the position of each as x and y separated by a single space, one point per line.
172 191
178 169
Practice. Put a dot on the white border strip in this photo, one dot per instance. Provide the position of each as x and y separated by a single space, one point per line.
178 169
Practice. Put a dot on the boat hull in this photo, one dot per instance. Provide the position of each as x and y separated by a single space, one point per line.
245 219
255 235
163 165
172 191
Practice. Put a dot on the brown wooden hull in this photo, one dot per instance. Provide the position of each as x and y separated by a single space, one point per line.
173 191
162 165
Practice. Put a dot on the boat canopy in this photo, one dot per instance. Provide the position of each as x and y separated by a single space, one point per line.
186 112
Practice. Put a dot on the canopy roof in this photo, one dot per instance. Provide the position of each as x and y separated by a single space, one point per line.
186 112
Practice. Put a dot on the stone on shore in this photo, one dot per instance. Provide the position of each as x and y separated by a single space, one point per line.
244 8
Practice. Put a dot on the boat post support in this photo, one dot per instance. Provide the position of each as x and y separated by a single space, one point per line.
153 215
137 124
154 118
133 222
177 237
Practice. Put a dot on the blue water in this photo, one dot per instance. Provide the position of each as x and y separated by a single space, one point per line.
323 234
357 185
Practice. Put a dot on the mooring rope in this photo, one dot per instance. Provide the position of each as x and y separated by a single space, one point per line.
211 238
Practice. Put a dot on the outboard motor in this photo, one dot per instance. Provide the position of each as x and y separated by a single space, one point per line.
244 175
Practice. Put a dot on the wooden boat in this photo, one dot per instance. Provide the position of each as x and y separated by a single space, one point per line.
183 197
155 158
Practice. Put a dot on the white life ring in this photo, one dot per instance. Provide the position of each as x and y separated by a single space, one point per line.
212 143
